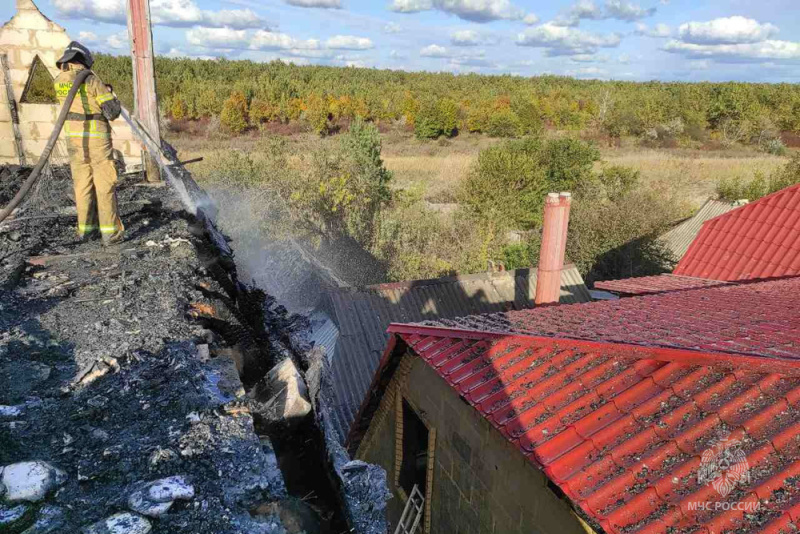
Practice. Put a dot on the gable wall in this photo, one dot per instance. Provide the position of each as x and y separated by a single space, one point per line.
480 483
27 35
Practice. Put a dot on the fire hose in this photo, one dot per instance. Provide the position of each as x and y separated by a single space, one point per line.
51 143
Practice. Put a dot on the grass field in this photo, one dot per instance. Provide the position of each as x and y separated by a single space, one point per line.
438 166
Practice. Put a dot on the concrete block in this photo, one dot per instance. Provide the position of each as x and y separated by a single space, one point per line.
10 36
5 113
7 147
31 20
47 113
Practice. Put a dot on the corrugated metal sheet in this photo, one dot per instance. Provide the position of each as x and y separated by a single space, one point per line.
679 238
757 241
361 317
635 433
646 285
761 318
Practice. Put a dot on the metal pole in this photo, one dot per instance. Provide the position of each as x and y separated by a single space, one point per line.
12 108
144 78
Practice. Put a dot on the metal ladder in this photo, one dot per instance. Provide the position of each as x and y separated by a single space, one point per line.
412 514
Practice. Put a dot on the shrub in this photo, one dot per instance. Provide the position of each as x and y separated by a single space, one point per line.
262 111
178 108
618 181
208 103
507 183
234 113
759 186
504 123
529 116
435 118
316 114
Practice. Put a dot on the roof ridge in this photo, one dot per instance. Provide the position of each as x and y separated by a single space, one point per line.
665 353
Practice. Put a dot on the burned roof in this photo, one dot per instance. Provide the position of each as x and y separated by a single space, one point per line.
351 324
757 241
678 239
632 425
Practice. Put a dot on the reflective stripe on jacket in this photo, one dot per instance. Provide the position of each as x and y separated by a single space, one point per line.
86 116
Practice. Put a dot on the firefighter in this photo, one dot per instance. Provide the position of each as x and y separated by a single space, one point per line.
88 133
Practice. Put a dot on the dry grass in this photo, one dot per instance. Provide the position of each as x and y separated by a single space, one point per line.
438 167
696 172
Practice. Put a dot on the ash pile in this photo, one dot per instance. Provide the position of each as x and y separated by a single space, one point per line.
137 384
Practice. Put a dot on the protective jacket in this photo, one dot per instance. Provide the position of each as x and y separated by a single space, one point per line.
88 135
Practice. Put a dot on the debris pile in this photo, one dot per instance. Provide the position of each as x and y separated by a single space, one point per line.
145 389
115 417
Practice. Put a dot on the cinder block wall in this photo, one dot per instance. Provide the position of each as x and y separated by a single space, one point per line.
481 484
27 35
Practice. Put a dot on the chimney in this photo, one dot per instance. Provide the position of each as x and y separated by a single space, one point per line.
554 244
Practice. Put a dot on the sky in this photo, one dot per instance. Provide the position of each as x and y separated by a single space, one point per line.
636 40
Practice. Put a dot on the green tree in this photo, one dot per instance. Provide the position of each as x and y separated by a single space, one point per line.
234 113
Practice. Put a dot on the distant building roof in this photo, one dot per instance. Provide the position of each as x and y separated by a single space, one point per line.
628 405
645 285
678 239
757 241
351 323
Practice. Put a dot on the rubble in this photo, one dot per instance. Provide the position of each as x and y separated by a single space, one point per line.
281 396
30 481
121 523
156 498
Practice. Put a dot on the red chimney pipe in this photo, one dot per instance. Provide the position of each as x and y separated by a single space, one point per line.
554 244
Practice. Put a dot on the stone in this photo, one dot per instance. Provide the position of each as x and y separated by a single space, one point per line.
15 518
222 380
121 523
156 498
50 521
282 395
10 412
31 481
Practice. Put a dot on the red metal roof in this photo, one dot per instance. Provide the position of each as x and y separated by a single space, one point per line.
619 401
646 285
757 241
757 318
623 430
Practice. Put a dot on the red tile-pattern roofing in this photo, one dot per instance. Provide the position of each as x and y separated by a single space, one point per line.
646 285
622 430
757 241
756 318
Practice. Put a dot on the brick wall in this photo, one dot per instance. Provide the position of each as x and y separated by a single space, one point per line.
27 35
480 483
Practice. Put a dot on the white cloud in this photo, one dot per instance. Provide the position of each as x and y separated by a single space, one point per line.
411 6
730 30
175 13
394 54
627 11
564 41
434 51
767 50
119 40
530 19
267 40
217 38
588 58
472 10
392 27
87 37
657 31
470 38
613 9
326 4
349 42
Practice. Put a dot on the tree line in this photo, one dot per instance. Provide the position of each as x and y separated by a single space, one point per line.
247 94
